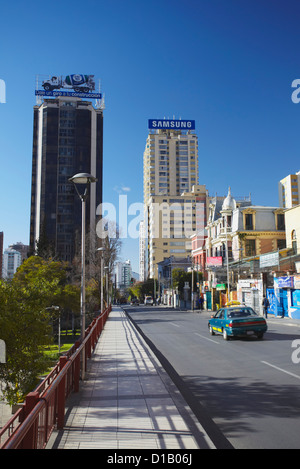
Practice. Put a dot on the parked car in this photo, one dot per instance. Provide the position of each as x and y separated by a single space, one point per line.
135 301
148 300
237 321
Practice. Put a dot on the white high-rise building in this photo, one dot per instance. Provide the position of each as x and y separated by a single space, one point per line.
170 162
126 273
12 259
170 170
123 274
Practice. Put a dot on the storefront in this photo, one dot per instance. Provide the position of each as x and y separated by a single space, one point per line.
294 308
250 293
284 298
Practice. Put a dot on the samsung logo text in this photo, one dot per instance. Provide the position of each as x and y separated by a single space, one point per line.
171 124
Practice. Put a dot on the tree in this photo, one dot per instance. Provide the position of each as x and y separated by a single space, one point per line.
179 277
142 289
111 242
26 321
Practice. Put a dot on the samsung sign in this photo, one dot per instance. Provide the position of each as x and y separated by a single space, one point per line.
171 124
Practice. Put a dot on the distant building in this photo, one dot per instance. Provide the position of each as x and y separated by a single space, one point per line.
126 274
12 259
289 190
22 248
166 267
123 275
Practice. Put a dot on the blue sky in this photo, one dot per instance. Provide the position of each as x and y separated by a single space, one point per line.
227 64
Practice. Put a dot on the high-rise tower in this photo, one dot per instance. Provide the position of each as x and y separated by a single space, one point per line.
67 139
170 176
170 161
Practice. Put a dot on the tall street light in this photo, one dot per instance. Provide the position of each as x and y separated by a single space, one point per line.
101 250
83 179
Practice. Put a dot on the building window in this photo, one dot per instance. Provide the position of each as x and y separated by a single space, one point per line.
294 242
250 247
248 221
280 222
281 244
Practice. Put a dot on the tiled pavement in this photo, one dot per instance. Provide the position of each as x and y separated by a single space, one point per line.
127 401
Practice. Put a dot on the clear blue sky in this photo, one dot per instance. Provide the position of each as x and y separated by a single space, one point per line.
227 64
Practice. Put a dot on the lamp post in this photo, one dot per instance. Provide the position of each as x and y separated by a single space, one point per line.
106 284
192 289
82 179
227 262
56 308
102 251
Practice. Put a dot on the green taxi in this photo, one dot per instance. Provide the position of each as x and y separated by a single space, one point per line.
237 321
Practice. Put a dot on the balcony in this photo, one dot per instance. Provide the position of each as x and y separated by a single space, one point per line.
225 230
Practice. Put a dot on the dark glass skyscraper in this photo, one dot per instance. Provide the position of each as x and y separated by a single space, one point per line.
67 139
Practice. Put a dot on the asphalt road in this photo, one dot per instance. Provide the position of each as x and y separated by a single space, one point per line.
245 392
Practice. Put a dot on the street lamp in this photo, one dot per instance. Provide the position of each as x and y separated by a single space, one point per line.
86 179
56 308
101 301
227 262
106 268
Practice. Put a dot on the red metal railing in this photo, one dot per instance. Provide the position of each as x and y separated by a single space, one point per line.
44 409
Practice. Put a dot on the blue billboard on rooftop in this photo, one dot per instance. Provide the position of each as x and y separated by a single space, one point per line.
74 85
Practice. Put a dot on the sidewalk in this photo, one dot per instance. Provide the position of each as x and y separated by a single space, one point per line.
287 321
127 400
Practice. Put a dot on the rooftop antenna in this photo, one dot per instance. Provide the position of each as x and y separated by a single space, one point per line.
38 99
100 103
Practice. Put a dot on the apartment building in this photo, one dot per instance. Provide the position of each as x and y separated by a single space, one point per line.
289 190
170 162
123 275
12 259
170 173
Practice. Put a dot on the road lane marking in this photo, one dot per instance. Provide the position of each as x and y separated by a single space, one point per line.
173 324
203 337
280 369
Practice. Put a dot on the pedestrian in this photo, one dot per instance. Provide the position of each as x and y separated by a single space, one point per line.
201 301
266 304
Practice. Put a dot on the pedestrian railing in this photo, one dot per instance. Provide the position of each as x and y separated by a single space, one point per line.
44 408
